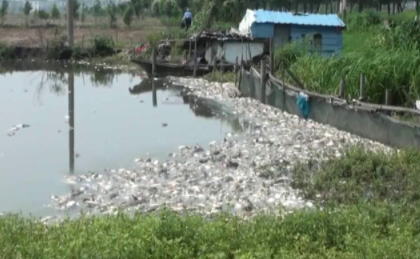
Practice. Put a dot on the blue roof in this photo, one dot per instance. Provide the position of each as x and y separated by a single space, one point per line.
262 16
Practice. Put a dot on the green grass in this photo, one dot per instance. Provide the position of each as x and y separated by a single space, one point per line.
370 209
348 232
220 77
363 177
356 41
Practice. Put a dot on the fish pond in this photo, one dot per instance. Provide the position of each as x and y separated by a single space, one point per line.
61 119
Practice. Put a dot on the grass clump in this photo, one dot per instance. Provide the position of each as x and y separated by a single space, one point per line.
103 46
352 232
363 177
220 77
395 69
6 52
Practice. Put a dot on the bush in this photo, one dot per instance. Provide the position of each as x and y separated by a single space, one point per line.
353 232
55 12
362 176
6 52
395 69
364 21
128 16
103 46
218 76
43 15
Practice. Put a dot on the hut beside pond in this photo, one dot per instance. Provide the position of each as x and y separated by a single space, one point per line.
324 31
228 46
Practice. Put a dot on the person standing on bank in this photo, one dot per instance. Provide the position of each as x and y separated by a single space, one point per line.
187 19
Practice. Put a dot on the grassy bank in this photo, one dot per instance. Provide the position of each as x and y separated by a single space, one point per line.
370 209
388 57
359 231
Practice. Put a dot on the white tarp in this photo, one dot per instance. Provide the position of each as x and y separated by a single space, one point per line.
230 50
246 23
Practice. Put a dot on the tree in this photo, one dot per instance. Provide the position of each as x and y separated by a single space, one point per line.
97 9
84 11
170 8
3 11
76 6
112 13
43 15
136 5
183 4
27 8
55 13
128 16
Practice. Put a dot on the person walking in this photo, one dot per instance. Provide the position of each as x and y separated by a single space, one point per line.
187 19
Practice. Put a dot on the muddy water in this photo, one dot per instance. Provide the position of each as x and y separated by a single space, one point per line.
83 121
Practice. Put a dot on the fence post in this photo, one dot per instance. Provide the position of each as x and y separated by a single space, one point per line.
189 51
236 71
388 97
271 55
241 68
222 69
195 57
362 85
263 79
154 62
342 92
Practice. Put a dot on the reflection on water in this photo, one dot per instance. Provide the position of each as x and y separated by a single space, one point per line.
71 120
119 118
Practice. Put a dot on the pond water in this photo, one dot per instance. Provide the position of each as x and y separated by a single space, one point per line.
83 119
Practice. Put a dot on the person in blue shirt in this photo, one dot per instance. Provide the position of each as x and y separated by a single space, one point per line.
187 19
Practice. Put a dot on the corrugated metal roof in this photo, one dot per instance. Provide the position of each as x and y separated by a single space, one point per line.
263 16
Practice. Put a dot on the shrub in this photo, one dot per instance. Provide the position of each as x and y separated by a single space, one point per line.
362 176
348 232
103 45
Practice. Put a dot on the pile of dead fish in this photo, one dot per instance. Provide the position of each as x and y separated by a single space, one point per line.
242 174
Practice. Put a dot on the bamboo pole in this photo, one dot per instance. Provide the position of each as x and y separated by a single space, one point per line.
236 71
272 55
361 88
388 97
342 91
71 119
154 62
70 25
195 57
263 80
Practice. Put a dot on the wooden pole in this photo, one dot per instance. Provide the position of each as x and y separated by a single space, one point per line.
154 93
342 92
222 68
236 71
361 88
240 75
282 66
388 97
263 79
71 120
272 55
70 26
195 57
154 62
189 50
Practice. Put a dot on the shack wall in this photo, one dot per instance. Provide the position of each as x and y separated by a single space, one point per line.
332 39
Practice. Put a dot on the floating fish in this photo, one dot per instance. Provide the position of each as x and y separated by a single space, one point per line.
245 174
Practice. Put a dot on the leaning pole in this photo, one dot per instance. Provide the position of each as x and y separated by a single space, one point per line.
70 26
